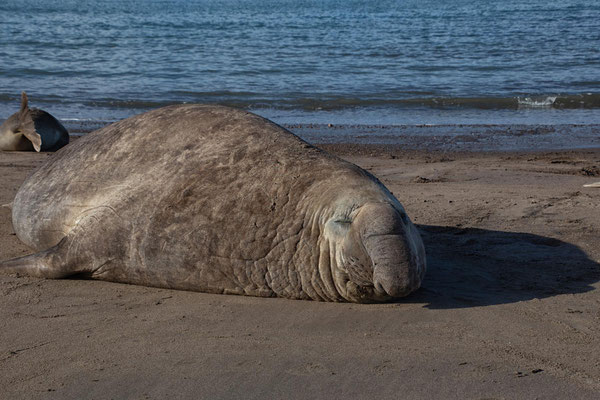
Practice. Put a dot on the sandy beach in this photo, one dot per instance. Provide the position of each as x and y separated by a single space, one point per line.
510 307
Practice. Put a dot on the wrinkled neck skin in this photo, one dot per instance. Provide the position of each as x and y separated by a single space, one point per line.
369 250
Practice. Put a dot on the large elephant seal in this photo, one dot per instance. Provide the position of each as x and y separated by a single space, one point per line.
32 129
218 200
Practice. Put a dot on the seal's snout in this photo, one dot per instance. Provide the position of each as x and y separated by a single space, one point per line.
395 249
395 271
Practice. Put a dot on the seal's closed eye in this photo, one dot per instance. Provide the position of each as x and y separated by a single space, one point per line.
343 221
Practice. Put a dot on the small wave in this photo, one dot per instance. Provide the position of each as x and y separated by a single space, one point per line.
536 102
304 102
586 100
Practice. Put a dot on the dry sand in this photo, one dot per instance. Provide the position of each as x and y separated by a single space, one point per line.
510 307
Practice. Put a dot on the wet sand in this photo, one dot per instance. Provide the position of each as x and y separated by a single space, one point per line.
510 307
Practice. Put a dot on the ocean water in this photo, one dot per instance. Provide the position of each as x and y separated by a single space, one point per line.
351 63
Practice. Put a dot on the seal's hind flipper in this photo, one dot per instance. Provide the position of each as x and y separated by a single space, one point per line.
60 261
90 248
27 125
24 104
41 265
597 184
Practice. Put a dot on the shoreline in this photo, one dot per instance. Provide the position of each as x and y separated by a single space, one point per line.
458 137
509 305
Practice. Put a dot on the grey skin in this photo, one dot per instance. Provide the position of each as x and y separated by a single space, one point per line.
218 200
32 129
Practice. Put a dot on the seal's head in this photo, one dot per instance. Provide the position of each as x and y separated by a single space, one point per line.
375 251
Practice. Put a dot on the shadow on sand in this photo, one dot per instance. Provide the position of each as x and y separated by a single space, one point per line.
477 267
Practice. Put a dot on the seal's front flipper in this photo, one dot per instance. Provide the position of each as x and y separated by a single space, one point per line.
27 125
597 184
42 265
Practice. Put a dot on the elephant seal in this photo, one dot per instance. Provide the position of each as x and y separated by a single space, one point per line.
32 129
214 199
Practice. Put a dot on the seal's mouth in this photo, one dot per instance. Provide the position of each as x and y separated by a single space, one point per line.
365 293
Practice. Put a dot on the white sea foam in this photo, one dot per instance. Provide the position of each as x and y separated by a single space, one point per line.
532 102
